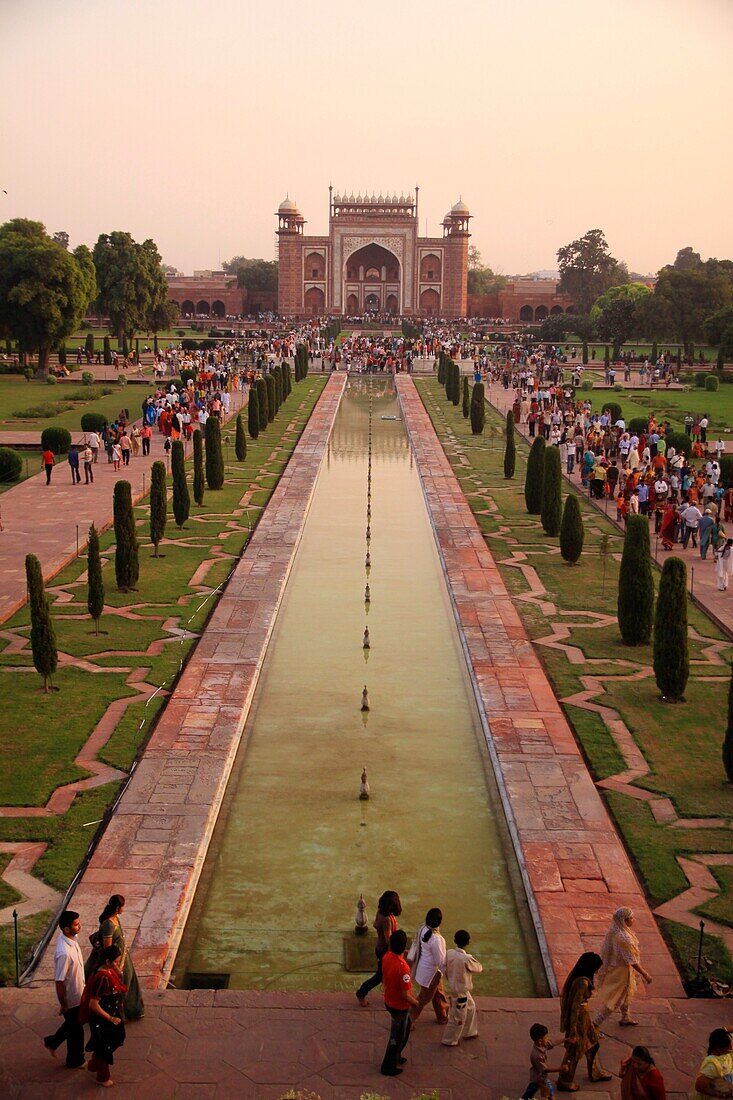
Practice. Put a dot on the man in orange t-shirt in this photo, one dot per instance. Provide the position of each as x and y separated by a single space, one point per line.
398 997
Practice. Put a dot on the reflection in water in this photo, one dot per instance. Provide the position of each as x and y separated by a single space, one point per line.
296 846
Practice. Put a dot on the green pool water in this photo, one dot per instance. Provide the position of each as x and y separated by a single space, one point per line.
294 846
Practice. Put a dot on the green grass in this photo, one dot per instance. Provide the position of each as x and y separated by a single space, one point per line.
673 405
717 908
30 930
17 395
8 895
668 736
717 961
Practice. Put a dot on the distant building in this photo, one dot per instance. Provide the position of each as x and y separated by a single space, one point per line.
215 295
372 260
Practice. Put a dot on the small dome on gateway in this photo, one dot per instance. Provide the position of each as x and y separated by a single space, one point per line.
287 206
460 209
402 198
446 219
381 198
373 198
358 198
337 198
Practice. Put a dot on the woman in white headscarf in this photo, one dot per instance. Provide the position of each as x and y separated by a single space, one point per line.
621 964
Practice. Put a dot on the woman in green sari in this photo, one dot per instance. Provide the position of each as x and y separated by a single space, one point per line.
111 932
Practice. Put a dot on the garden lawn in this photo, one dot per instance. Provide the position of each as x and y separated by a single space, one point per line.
65 402
40 735
670 737
673 405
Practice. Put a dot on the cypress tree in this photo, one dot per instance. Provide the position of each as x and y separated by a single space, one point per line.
181 497
278 380
284 381
271 398
728 739
441 368
535 476
253 413
262 407
466 404
635 605
107 355
607 356
551 514
478 412
198 468
43 636
95 581
158 503
572 532
89 343
585 353
127 566
654 353
448 379
510 450
456 390
289 376
240 440
214 456
671 654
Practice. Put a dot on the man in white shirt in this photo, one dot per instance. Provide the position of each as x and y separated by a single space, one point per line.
459 968
68 963
93 444
691 517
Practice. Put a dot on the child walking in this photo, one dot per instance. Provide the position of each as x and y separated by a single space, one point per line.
539 1082
459 968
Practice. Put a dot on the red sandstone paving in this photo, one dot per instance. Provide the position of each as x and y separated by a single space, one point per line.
553 799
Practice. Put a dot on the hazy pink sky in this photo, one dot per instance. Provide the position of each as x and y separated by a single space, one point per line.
188 121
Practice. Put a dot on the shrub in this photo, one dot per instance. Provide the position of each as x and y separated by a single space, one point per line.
680 441
586 385
572 532
187 375
478 410
240 440
614 410
51 380
95 581
711 383
92 421
671 656
57 440
253 413
618 388
87 378
638 424
535 476
11 465
700 378
728 739
635 603
107 353
29 374
181 498
271 398
158 503
262 406
189 345
127 566
510 450
121 380
214 456
198 468
551 514
43 637
466 400
726 470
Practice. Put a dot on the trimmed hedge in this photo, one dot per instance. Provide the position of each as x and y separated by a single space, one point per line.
681 441
671 652
572 531
93 422
57 440
635 584
11 465
614 410
551 514
535 476
638 424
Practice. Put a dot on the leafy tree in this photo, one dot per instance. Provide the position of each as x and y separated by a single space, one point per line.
572 531
587 269
728 740
198 468
691 296
635 603
127 567
671 654
158 503
551 514
535 476
616 323
253 413
240 440
478 410
252 273
43 636
510 449
715 325
653 319
271 398
633 292
687 259
555 328
95 581
263 409
214 456
181 497
466 399
44 290
133 290
61 237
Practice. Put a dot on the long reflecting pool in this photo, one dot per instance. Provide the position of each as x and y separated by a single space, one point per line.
295 847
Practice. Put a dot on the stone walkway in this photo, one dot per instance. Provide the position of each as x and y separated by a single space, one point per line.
202 1045
575 867
153 848
51 520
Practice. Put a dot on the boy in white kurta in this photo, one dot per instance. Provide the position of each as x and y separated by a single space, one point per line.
460 966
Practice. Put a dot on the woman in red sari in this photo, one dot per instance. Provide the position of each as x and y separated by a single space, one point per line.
640 1078
668 526
104 999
